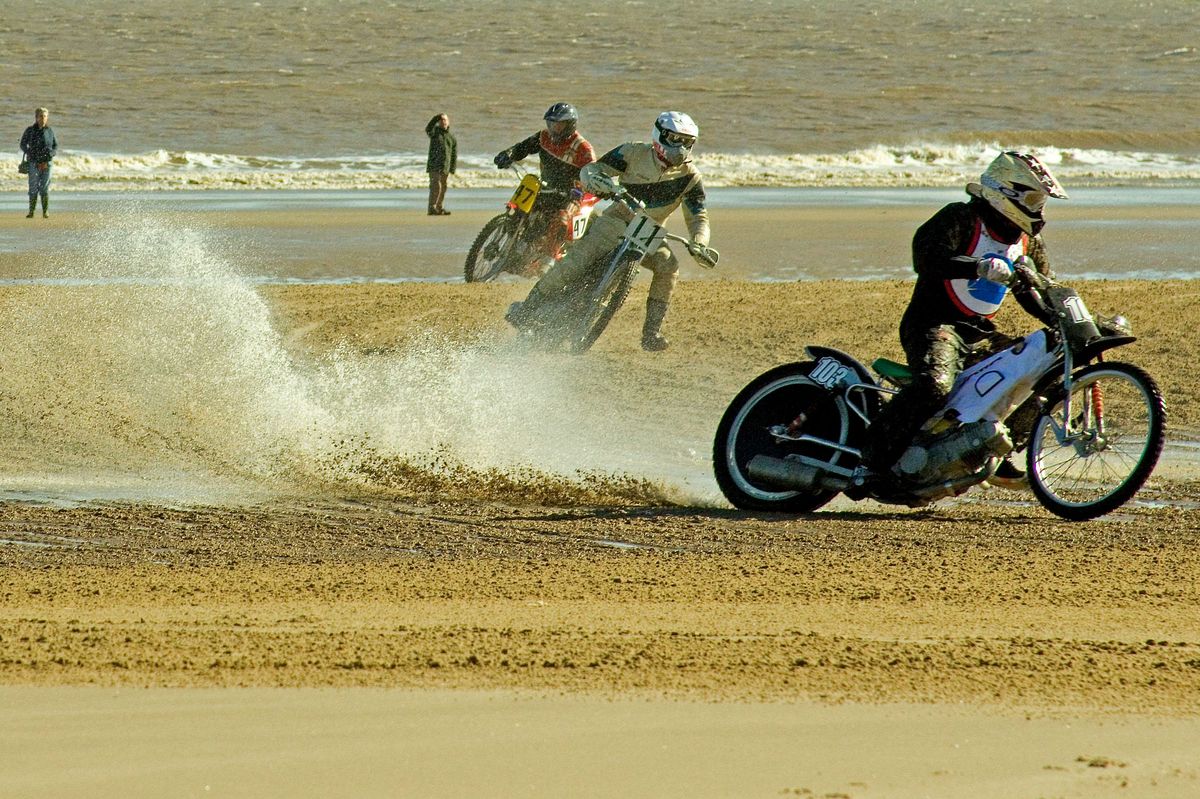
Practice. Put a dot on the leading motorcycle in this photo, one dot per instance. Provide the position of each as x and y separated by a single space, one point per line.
792 439
515 240
582 312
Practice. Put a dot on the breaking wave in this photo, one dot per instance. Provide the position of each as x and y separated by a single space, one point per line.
913 165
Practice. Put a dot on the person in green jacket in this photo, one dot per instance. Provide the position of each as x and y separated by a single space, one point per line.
443 158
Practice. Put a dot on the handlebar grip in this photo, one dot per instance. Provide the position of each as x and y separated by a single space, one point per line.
705 256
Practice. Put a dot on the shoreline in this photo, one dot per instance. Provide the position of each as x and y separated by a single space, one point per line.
763 235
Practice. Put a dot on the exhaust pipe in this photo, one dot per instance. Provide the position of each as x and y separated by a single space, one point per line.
794 475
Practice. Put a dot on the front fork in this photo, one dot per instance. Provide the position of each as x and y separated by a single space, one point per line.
1088 435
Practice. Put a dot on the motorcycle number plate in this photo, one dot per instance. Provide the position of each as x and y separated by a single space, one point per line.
644 233
525 194
579 223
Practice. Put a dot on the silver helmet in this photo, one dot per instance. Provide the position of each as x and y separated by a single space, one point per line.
673 137
1018 185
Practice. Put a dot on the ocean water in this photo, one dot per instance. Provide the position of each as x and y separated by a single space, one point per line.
335 95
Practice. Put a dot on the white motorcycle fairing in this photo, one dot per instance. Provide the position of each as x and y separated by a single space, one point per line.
994 387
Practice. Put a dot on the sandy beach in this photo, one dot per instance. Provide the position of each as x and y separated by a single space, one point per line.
284 511
487 621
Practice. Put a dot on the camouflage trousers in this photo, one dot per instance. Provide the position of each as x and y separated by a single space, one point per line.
935 355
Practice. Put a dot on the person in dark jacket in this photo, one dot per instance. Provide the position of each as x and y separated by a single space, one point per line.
39 146
443 158
950 313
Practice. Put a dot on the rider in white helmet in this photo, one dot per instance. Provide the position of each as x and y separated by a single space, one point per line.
661 174
673 137
950 313
1018 185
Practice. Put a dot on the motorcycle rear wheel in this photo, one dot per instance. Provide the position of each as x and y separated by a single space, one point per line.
1118 414
785 395
491 250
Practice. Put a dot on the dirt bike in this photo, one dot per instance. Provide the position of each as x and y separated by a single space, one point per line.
582 313
512 241
792 439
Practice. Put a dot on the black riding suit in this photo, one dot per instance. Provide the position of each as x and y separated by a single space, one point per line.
949 315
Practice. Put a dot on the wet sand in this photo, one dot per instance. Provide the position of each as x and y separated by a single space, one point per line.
488 636
386 236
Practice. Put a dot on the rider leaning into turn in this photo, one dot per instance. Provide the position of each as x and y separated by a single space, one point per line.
661 175
561 151
950 313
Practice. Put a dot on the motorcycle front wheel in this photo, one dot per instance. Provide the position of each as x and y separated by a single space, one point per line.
490 251
600 308
1092 460
783 396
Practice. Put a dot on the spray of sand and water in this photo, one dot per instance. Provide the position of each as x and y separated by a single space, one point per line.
160 372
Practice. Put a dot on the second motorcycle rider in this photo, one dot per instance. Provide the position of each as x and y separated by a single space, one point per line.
561 152
661 175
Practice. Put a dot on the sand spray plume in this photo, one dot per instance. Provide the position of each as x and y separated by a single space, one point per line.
160 359
162 366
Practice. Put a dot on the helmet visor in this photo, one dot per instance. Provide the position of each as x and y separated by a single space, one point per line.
1029 198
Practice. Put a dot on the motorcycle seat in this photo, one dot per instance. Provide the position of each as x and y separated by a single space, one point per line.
896 372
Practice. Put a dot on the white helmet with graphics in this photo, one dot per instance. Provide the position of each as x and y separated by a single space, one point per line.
673 136
1018 185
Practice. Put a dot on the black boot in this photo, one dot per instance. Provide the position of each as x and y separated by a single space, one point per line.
32 207
652 339
521 314
45 203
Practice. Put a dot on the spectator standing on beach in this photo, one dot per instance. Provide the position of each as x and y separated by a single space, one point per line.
443 158
39 146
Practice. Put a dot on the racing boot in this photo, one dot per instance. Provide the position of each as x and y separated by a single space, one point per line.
45 202
1009 475
652 339
520 314
32 207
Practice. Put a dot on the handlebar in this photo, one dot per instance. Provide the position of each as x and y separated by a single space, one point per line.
705 256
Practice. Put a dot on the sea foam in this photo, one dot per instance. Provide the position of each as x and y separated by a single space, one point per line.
913 165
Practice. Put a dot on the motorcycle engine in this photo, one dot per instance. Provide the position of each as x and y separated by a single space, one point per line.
955 453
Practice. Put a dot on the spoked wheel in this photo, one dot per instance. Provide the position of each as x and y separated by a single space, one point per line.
1093 459
783 396
598 313
490 251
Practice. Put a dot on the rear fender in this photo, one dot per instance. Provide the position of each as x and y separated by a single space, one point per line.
830 374
836 371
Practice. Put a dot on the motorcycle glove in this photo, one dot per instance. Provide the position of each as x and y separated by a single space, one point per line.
502 161
997 270
601 184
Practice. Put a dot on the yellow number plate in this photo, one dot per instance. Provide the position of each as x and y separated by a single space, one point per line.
526 193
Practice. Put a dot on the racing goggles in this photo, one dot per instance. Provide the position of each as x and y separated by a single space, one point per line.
673 139
1028 197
